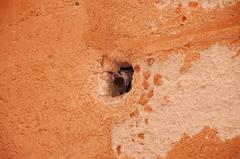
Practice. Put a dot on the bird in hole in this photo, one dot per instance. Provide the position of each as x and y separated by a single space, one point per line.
122 80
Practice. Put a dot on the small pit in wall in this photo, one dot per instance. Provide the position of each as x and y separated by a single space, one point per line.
116 79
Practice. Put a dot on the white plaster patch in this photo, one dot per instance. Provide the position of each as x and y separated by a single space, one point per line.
207 95
206 4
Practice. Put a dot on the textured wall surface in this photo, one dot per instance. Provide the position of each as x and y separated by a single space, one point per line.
54 91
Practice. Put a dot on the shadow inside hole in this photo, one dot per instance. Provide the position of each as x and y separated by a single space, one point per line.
122 80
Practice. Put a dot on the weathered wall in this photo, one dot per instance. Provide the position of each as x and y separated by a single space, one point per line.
185 99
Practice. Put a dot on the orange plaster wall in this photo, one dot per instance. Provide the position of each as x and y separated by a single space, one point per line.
50 56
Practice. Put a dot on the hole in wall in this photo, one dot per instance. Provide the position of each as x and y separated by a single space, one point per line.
122 80
116 82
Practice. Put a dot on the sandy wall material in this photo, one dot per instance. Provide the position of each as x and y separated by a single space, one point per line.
184 102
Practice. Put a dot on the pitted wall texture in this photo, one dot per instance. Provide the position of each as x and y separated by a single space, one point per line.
185 98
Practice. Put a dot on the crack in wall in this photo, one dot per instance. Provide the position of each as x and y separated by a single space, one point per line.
26 18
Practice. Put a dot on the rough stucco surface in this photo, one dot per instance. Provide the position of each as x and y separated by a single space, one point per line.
184 103
185 98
